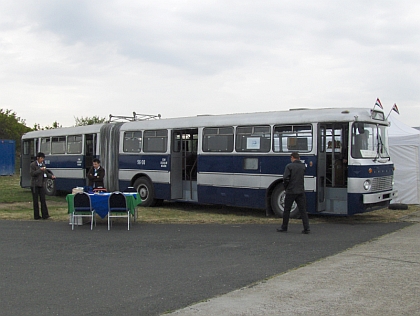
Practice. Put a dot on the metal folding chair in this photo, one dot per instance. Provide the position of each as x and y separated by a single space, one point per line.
117 207
82 208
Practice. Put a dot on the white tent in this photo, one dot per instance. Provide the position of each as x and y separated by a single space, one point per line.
404 144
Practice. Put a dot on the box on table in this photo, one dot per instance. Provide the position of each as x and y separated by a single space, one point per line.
77 190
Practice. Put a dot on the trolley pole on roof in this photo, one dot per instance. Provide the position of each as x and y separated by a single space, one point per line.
135 117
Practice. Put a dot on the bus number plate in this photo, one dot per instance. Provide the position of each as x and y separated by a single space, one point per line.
141 162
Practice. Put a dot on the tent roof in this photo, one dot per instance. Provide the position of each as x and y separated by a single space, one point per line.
402 134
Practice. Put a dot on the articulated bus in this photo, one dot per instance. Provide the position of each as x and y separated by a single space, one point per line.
234 159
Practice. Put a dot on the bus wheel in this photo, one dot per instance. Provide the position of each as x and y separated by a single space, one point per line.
398 206
145 189
277 202
49 187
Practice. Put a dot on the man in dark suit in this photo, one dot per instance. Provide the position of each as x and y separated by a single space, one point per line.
294 184
39 174
96 175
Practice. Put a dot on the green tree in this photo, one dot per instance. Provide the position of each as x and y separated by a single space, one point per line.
12 126
38 127
55 124
83 121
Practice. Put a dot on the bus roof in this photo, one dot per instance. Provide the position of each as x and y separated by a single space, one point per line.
75 130
293 116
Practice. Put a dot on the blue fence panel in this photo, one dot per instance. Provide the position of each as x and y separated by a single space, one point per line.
7 157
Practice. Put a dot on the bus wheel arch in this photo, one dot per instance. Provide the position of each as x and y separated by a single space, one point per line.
49 187
277 202
145 189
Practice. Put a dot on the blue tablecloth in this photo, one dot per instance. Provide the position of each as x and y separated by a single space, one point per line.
100 202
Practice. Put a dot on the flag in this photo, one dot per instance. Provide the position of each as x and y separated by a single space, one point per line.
395 108
378 103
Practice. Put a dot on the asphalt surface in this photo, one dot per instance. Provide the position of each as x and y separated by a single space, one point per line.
379 277
48 269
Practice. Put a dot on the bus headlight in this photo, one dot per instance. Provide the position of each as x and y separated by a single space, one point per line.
367 185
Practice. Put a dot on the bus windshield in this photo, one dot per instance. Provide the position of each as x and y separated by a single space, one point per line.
369 141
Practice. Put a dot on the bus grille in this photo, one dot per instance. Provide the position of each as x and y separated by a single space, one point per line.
382 183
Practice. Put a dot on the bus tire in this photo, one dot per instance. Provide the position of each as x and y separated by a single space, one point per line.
49 187
146 191
398 206
277 202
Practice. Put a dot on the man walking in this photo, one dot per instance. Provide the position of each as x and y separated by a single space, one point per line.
294 184
39 174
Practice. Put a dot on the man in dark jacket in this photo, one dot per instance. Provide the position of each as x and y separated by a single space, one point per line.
39 174
96 175
294 184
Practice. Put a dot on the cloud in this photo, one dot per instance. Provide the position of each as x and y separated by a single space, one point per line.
74 58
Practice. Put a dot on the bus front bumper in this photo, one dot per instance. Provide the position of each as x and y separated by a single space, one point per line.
379 197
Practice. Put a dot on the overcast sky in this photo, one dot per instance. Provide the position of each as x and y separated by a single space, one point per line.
62 59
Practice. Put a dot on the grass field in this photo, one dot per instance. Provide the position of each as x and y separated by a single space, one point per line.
16 204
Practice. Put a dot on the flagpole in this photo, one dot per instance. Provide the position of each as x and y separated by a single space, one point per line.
394 108
378 103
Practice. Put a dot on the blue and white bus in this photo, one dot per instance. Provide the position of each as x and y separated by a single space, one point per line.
235 159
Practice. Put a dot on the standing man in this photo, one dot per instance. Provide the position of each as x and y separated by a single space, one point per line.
39 174
294 184
96 175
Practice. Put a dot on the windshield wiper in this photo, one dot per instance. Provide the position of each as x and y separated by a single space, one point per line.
379 150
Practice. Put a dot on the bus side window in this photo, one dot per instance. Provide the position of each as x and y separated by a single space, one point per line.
155 141
74 144
58 145
46 145
288 138
218 139
132 141
253 138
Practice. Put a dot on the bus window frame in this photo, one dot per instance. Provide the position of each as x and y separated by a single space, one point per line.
296 134
219 133
42 148
254 140
70 152
372 141
151 135
58 145
132 139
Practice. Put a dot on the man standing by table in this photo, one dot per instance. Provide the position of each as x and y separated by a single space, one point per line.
39 174
96 175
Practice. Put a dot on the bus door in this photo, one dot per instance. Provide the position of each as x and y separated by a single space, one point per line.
90 151
322 168
29 150
332 164
184 164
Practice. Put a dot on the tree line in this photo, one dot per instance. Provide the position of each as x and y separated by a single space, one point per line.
13 127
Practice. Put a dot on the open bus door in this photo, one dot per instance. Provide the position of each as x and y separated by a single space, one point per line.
184 164
176 165
322 168
28 155
90 152
332 168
